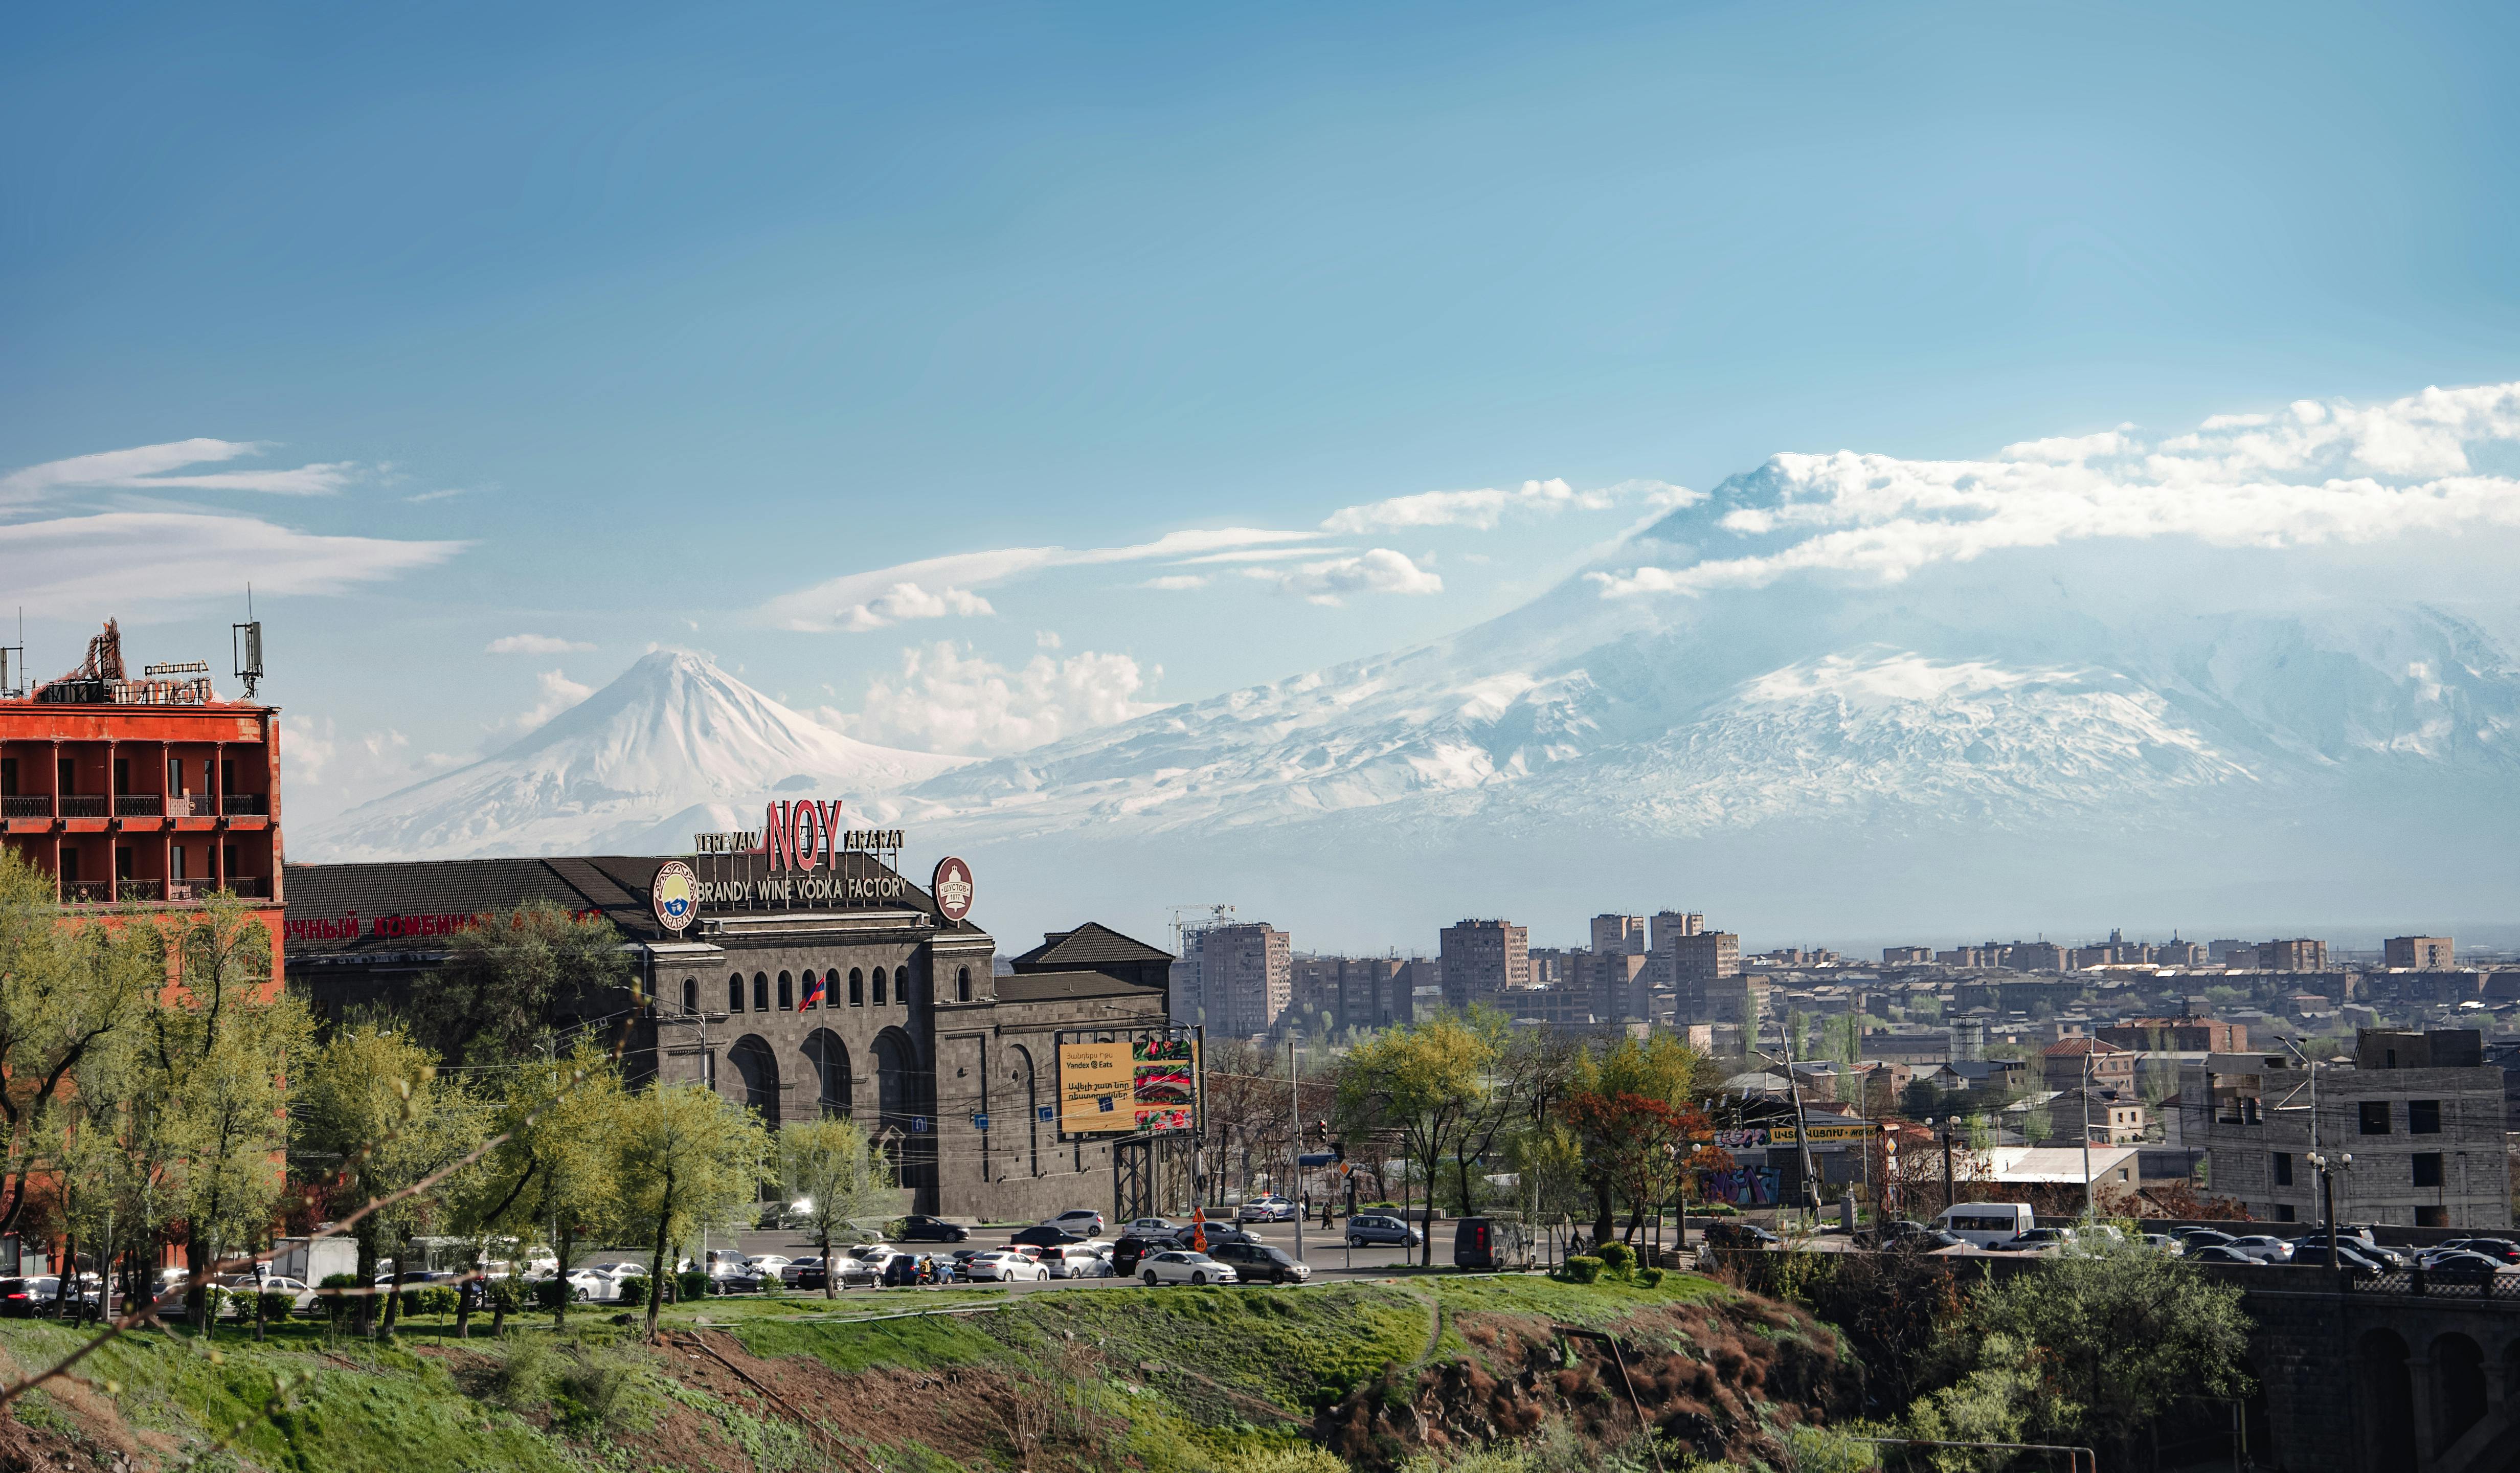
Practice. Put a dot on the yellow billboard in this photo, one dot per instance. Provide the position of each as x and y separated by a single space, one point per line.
1121 1088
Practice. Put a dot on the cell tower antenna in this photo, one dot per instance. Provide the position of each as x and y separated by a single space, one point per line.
12 660
246 642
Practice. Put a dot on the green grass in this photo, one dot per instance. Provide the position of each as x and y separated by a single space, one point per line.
935 1340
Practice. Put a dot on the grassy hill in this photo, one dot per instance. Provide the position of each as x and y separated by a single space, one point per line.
1420 1372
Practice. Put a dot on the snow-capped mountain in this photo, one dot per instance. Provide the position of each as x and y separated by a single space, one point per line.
674 745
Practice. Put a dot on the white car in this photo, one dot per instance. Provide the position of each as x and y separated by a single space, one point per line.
1183 1266
1005 1266
768 1265
1075 1261
302 1295
1084 1221
1270 1209
587 1284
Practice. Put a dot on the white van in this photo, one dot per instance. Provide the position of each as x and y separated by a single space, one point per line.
1984 1224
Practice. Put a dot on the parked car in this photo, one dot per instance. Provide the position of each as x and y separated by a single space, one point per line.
2501 1250
1269 1208
1004 1267
1131 1248
2202 1237
721 1262
1986 1224
2259 1246
1076 1261
930 1231
1367 1228
1482 1243
1259 1263
1180 1266
302 1295
2036 1240
1740 1235
767 1265
788 1271
1153 1227
1084 1221
2463 1268
2314 1255
2165 1243
2222 1253
1045 1236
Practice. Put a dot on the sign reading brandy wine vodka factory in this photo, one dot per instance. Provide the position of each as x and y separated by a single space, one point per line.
804 857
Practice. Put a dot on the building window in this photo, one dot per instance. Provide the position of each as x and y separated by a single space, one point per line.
963 985
878 987
830 989
2423 1117
857 988
2432 1217
735 993
2283 1212
691 1004
2376 1117
2283 1168
2428 1171
787 992
761 992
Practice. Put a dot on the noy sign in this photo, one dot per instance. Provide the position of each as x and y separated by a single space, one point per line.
801 856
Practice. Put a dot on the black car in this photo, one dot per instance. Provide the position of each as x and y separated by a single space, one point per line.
930 1230
2313 1254
1044 1236
15 1301
2462 1269
1256 1262
1740 1235
2216 1253
2202 1237
1926 1241
1130 1248
2501 1250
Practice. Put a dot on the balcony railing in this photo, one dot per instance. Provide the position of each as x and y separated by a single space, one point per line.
86 806
249 887
87 892
246 805
193 806
140 889
139 804
27 805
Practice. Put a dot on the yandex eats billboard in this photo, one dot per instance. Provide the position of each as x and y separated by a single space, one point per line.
1124 1088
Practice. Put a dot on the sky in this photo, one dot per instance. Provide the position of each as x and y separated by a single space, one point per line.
970 375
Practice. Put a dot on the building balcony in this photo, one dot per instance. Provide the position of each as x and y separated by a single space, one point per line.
245 805
86 806
140 889
139 804
249 887
87 892
197 806
27 805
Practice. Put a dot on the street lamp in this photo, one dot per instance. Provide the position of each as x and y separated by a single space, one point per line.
2326 1180
2327 1194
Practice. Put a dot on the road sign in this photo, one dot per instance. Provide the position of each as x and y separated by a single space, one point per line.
1048 1113
919 1125
979 1122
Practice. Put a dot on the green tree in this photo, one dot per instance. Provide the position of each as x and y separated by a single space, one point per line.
1421 1083
374 1113
2120 1332
218 1051
64 990
1662 1071
839 1174
688 1157
508 974
553 1174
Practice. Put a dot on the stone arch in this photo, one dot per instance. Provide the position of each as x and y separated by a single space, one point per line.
1022 1077
787 992
857 988
2388 1405
2458 1386
735 993
878 987
962 983
830 1058
901 1102
758 1070
691 994
761 992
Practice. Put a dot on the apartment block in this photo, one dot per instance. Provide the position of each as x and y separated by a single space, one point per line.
1482 957
1616 983
2423 954
1246 978
2299 956
1668 926
1619 935
1907 956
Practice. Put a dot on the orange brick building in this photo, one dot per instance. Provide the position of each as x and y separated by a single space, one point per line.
146 794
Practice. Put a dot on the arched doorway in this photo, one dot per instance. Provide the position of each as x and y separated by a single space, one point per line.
2459 1402
1021 1077
830 1058
758 1071
903 1108
2388 1405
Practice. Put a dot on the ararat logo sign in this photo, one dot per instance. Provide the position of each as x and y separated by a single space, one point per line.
675 895
952 888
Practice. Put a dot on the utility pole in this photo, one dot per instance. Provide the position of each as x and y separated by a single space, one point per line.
1951 1122
2091 1207
1295 1134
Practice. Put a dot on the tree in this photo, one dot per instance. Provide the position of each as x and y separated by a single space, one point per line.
687 1157
64 990
505 976
373 1112
838 1174
1421 1082
2121 1332
1661 1070
553 1173
215 1064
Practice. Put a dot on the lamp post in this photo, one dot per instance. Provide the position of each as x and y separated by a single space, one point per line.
2091 1207
2326 1181
1950 1125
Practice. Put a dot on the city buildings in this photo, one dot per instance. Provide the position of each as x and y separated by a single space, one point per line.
1246 978
2422 1115
1619 935
2071 1063
2422 953
2297 955
1483 958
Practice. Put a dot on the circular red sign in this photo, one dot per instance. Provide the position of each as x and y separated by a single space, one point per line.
952 888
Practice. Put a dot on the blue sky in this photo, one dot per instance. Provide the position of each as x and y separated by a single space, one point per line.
611 325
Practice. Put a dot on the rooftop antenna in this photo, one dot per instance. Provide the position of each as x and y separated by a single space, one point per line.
13 662
244 640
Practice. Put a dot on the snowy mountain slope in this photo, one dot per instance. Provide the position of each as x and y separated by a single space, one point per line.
672 745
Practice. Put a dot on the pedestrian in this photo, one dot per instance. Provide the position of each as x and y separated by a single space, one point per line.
1325 1217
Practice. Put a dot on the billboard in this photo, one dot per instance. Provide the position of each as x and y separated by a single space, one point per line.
1122 1088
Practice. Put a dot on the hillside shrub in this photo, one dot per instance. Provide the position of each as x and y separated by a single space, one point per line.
592 1391
337 1306
1583 1268
1618 1261
1651 1278
691 1284
277 1304
548 1292
436 1299
634 1292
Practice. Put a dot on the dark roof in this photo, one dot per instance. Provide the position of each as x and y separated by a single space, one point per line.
1090 945
423 890
1049 986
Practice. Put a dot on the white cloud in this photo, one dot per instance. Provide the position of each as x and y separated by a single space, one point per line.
833 603
327 772
148 468
1380 571
558 694
117 559
441 496
911 601
1047 639
535 644
1177 582
947 699
1485 508
2316 472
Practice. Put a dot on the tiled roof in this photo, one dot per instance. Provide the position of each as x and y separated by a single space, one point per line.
1088 946
2067 1049
1049 986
